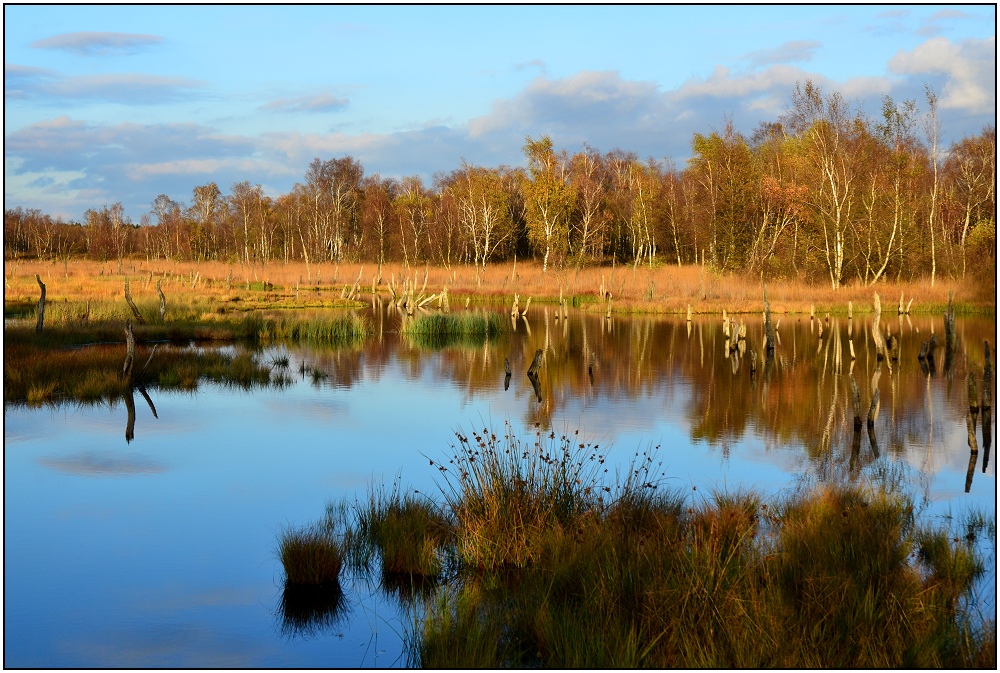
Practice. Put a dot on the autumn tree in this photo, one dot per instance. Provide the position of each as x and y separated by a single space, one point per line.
549 199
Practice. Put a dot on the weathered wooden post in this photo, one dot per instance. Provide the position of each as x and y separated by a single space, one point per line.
901 309
513 309
41 305
163 301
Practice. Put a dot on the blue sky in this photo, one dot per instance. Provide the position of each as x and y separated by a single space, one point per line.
122 103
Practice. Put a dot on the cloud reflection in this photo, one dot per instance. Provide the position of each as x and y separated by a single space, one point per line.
103 464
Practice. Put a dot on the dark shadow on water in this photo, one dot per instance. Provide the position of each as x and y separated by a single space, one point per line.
306 611
408 588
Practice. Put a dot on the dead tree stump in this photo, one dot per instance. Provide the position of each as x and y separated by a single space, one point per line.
131 304
41 305
163 302
129 353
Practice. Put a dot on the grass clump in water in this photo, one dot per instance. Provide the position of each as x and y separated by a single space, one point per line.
321 329
438 330
408 532
311 557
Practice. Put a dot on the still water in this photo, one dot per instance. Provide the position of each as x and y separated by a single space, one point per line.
161 551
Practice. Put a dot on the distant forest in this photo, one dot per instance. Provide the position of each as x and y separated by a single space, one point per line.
825 192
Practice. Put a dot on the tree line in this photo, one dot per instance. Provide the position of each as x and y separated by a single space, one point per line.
826 193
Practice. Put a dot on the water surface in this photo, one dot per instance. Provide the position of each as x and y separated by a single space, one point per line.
161 551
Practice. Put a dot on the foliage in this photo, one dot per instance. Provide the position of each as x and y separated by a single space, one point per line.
824 193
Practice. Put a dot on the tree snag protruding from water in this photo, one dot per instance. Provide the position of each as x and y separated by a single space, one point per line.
41 305
880 348
770 339
131 304
163 301
536 363
129 353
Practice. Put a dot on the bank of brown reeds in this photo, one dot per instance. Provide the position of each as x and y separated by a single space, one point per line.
210 287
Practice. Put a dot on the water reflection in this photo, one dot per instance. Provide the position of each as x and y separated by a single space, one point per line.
129 399
306 611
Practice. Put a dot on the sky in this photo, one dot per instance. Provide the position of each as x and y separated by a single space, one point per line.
108 103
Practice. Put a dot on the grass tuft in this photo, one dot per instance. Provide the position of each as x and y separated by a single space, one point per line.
311 557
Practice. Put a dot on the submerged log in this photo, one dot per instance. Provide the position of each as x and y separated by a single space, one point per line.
41 305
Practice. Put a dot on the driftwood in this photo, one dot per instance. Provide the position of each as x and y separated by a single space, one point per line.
41 305
513 309
689 313
131 305
506 377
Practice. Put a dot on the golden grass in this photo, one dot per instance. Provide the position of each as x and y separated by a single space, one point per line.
661 289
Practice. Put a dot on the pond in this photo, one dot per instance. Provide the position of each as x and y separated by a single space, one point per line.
162 551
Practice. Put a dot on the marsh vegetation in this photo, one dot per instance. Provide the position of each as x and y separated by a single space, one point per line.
538 556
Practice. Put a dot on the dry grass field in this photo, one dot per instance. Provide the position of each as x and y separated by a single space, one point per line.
663 289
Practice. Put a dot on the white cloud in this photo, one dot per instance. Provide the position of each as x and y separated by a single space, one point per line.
98 44
969 68
317 103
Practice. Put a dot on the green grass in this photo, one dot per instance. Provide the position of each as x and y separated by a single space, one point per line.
438 330
322 329
556 563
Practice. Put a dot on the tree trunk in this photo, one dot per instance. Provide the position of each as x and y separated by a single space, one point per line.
131 304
